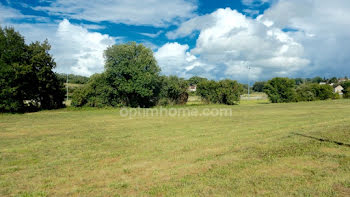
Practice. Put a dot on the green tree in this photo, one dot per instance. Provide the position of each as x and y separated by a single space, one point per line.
96 93
132 69
324 92
346 91
224 92
317 80
259 86
229 92
333 80
195 80
26 77
174 89
13 70
47 88
207 91
280 90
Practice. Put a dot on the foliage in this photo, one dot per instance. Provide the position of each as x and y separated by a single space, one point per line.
317 80
132 70
224 92
131 78
96 93
207 91
259 86
76 79
26 77
174 89
346 91
195 80
280 90
229 92
312 92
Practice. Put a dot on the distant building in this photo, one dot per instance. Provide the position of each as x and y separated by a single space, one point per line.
342 80
323 83
339 89
192 88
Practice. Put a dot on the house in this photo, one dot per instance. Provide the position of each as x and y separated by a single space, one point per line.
323 83
339 89
342 80
192 88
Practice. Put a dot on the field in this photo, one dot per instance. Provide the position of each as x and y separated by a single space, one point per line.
297 149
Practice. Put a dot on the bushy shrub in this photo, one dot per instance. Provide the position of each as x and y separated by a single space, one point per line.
96 93
346 91
207 91
224 92
174 89
281 90
312 92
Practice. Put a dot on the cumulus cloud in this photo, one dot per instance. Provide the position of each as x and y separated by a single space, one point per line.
137 12
175 59
74 48
232 42
321 27
79 49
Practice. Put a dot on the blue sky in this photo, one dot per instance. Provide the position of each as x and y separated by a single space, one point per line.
215 39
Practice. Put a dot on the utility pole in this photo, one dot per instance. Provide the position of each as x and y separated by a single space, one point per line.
67 88
248 81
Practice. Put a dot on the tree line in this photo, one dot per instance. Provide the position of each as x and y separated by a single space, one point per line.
131 78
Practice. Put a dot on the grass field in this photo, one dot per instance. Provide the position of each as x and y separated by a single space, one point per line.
297 149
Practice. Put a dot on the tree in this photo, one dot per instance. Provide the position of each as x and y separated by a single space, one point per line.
96 93
324 92
346 91
47 89
333 80
311 92
195 80
259 86
174 89
317 80
299 81
207 91
12 70
132 69
280 90
76 79
305 93
26 77
229 92
225 92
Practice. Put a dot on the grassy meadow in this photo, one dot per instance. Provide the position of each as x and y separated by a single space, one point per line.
296 149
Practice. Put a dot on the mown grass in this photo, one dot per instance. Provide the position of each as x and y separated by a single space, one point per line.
256 151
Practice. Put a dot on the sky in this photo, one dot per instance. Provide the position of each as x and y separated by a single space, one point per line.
214 39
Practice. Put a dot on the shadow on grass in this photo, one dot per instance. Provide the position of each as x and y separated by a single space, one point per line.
322 140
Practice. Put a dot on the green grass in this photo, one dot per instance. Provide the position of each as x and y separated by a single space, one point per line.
256 151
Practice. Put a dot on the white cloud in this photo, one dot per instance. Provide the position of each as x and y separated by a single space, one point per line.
256 3
322 28
136 12
231 41
152 35
7 13
80 49
74 48
175 59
